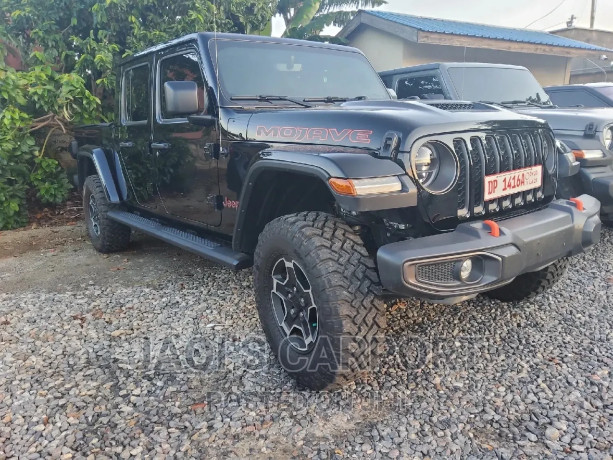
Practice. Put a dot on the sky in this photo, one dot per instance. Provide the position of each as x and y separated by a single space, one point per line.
509 13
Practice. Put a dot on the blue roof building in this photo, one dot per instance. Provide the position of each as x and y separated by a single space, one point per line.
392 40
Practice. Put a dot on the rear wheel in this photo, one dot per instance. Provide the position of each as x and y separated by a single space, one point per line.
316 291
530 284
105 234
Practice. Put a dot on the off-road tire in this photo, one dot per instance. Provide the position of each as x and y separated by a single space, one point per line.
111 236
531 284
345 288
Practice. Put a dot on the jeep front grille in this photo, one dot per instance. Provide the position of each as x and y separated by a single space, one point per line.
493 153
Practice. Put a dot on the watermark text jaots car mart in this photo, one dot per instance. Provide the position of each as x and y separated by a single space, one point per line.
251 353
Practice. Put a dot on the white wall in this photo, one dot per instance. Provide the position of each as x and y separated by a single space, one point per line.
387 51
382 49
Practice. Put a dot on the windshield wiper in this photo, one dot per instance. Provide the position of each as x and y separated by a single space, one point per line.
526 102
510 104
333 99
271 99
491 103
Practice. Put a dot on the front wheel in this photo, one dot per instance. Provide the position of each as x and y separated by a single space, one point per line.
316 291
530 284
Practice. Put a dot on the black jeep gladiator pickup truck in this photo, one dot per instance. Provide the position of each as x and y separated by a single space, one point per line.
588 133
291 156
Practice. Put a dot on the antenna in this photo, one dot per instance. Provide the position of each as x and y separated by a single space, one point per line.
217 75
463 76
602 58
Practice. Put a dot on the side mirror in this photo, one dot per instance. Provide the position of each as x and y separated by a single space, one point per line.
392 93
73 148
181 97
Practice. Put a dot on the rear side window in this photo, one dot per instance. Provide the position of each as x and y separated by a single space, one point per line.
181 67
136 94
606 91
575 98
423 87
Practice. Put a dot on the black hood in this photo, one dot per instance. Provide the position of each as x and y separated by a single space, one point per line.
364 124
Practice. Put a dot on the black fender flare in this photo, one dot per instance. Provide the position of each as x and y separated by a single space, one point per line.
323 167
110 172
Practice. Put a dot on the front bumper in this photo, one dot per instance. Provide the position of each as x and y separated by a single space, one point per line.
429 267
598 182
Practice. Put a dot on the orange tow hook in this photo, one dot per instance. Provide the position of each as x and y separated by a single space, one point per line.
494 228
578 203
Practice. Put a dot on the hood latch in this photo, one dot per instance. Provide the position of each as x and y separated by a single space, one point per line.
391 144
590 130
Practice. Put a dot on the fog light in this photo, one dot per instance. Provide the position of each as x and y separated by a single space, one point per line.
469 270
466 269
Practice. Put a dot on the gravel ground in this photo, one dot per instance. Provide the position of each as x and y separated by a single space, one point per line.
156 353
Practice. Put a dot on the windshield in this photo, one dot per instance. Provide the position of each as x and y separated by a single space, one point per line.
606 91
295 71
497 84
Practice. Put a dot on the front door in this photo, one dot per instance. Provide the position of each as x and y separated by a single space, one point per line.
134 135
185 154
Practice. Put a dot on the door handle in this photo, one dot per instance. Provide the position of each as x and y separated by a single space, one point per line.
160 145
126 144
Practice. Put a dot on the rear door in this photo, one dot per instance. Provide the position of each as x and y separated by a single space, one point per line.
185 154
134 134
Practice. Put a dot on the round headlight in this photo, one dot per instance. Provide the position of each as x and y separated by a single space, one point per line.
426 165
562 147
434 166
608 137
551 149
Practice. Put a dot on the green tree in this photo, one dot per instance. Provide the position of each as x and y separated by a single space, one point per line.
84 36
33 100
307 18
68 48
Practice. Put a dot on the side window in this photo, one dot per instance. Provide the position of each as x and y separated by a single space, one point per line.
575 98
423 87
181 67
136 94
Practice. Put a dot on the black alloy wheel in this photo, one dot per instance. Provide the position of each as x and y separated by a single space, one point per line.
293 304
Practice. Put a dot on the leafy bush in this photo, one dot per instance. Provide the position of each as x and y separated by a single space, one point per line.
12 211
55 100
50 181
67 49
17 149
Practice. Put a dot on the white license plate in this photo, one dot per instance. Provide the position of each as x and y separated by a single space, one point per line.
510 182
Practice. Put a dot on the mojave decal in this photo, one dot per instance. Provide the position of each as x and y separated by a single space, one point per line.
295 133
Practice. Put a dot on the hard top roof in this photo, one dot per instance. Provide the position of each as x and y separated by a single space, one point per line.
446 65
207 36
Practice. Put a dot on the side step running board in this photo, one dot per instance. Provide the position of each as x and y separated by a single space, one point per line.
209 249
